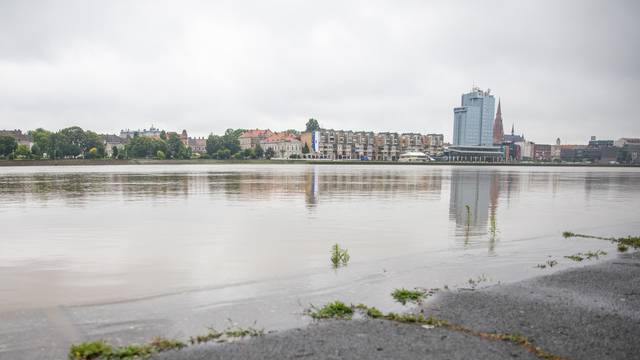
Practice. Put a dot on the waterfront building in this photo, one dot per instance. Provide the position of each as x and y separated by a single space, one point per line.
624 141
198 145
284 145
473 120
433 144
151 132
412 142
111 141
22 139
251 138
512 138
473 129
542 152
595 143
387 146
366 145
526 149
498 130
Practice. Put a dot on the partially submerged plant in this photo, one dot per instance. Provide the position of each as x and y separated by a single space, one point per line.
164 344
335 310
575 257
339 256
213 334
594 254
403 295
473 283
588 255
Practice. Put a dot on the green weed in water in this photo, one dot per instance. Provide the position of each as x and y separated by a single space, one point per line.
405 295
339 256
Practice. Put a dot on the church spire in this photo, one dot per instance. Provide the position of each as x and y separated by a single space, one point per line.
512 127
498 130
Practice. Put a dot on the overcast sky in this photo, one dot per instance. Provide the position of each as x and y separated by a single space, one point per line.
567 69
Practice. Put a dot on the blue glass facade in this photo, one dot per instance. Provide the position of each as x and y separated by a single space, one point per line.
473 121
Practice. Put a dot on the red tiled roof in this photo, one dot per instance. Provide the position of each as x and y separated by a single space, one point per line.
284 136
256 133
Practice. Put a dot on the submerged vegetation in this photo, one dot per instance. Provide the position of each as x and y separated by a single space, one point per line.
623 243
333 310
404 296
473 283
549 263
588 255
339 256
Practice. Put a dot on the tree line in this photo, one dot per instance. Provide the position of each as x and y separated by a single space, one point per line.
74 142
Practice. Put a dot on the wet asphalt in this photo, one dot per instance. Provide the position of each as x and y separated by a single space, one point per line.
590 312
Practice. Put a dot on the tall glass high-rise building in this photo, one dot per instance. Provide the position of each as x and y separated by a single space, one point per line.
473 121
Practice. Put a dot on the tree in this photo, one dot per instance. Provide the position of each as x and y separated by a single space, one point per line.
114 152
214 144
269 153
312 125
175 148
41 142
231 140
91 154
36 152
223 154
259 151
23 152
163 135
305 149
8 145
145 147
160 155
238 156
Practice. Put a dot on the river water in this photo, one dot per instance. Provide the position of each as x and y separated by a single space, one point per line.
125 253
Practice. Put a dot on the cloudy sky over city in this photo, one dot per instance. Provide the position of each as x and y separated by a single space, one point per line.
565 69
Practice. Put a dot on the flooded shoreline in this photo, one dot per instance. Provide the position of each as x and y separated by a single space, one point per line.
142 251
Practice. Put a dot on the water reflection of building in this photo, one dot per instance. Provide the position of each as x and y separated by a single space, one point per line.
473 204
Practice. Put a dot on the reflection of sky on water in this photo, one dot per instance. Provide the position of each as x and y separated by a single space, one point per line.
120 232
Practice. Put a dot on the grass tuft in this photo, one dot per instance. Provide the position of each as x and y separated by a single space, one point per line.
164 344
90 350
403 295
335 310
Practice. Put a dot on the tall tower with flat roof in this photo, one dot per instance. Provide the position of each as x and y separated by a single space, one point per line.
473 120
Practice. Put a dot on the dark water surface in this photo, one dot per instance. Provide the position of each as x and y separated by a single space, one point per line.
129 252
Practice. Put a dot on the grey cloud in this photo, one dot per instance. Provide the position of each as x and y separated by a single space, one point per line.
561 68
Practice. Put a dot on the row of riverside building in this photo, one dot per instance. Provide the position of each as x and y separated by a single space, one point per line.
329 144
479 137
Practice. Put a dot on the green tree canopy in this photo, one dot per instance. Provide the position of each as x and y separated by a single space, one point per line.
8 145
145 147
312 125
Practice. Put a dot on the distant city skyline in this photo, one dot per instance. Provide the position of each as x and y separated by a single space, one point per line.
378 66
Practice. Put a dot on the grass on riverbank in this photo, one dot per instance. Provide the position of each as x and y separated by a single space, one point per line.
623 243
338 309
101 350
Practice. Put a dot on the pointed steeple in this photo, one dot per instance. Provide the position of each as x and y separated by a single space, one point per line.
512 127
498 130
